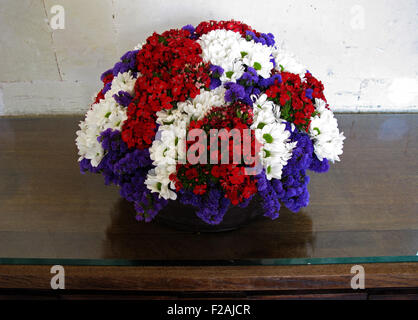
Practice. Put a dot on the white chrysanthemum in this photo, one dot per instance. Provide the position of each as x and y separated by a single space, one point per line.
265 111
258 56
328 141
276 150
103 115
122 82
288 61
270 130
158 181
227 49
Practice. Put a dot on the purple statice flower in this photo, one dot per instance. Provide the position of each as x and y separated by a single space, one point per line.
308 93
265 83
106 73
210 207
187 197
107 87
249 35
214 207
268 39
292 189
214 83
249 78
123 98
127 63
234 92
270 201
249 92
191 29
216 73
85 166
127 168
318 165
264 39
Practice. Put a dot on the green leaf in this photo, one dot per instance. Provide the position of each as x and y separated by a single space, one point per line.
317 130
268 137
257 66
267 153
159 185
281 68
261 125
107 115
268 169
243 54
229 74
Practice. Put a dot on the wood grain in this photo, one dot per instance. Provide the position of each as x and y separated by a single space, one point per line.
206 279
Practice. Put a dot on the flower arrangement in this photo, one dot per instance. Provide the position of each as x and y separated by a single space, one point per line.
211 116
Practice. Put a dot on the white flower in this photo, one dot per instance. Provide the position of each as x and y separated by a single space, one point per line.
122 82
197 108
227 49
323 130
158 181
103 115
265 112
270 131
276 150
258 56
288 61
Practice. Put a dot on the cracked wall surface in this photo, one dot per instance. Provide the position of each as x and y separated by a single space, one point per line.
365 51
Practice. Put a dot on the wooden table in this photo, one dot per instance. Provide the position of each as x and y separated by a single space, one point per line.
363 211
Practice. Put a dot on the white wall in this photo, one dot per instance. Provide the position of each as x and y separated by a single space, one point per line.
365 51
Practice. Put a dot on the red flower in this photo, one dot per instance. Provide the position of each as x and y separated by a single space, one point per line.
236 26
191 173
200 189
172 70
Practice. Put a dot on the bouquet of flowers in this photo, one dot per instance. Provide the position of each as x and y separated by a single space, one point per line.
213 117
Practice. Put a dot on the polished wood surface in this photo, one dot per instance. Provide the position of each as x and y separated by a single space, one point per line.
213 278
365 205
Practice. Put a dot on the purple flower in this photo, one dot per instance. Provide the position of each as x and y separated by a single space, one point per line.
234 92
106 73
127 168
191 29
217 71
249 78
214 83
123 98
